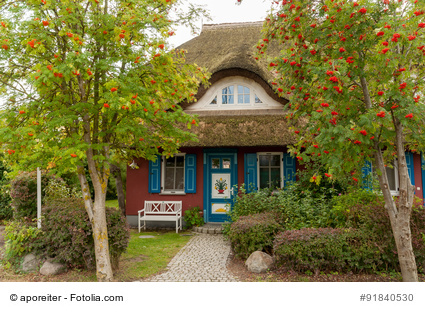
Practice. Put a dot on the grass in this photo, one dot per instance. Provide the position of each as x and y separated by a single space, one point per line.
112 203
144 257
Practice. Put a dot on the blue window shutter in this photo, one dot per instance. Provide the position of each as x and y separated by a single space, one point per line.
190 173
289 168
155 175
423 174
409 161
250 174
366 171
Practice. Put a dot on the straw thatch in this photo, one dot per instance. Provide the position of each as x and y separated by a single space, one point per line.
225 46
225 131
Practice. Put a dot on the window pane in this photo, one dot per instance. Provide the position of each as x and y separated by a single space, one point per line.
246 98
240 89
275 177
275 160
169 179
224 91
224 99
257 100
226 163
180 161
230 99
264 177
215 163
246 90
214 101
391 178
240 98
264 160
230 89
169 162
179 185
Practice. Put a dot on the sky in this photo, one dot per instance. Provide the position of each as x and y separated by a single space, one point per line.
225 11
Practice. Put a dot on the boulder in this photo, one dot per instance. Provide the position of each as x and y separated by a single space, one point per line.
31 263
259 262
52 268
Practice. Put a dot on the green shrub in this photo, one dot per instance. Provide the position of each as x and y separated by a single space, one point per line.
19 237
326 249
302 209
6 211
68 237
24 193
366 211
252 203
193 217
252 233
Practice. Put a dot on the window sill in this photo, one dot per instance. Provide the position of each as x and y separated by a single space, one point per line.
172 193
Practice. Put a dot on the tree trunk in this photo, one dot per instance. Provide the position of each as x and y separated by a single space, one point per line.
116 171
97 217
400 216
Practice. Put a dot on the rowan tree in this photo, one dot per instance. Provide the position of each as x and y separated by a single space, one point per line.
85 80
354 74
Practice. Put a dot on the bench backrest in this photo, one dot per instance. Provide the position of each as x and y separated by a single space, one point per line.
164 207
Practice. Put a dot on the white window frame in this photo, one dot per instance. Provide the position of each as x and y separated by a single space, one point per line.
395 192
172 192
281 166
204 103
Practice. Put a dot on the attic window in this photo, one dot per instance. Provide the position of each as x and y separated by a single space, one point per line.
227 95
243 95
214 101
257 100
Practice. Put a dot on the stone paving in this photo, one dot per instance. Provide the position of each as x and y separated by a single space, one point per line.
203 259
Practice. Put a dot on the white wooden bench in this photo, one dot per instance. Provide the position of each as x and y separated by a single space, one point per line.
161 211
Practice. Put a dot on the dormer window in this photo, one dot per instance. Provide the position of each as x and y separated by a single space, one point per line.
235 93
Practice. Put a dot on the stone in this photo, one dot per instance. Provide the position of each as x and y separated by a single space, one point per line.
259 262
31 263
52 268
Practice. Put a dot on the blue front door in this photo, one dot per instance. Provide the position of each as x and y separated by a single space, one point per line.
220 178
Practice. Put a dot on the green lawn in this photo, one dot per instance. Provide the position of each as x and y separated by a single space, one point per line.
112 203
148 256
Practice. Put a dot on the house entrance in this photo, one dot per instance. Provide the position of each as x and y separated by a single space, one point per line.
221 177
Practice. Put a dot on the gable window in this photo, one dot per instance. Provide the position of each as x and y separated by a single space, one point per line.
270 170
236 94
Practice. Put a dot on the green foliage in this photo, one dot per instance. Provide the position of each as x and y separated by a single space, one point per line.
23 192
252 233
6 211
68 237
193 217
57 189
19 237
326 249
251 203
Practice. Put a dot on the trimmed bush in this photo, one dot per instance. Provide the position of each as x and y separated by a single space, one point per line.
326 249
252 233
68 237
367 213
24 193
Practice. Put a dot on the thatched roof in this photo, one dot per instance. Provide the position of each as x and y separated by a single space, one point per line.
226 46
225 131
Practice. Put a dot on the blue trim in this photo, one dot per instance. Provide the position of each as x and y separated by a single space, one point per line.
250 172
410 167
190 174
220 150
206 219
155 175
289 168
423 174
367 179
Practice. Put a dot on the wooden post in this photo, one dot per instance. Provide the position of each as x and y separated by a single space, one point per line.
38 198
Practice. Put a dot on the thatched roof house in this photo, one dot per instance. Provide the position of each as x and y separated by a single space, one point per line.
227 50
242 133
